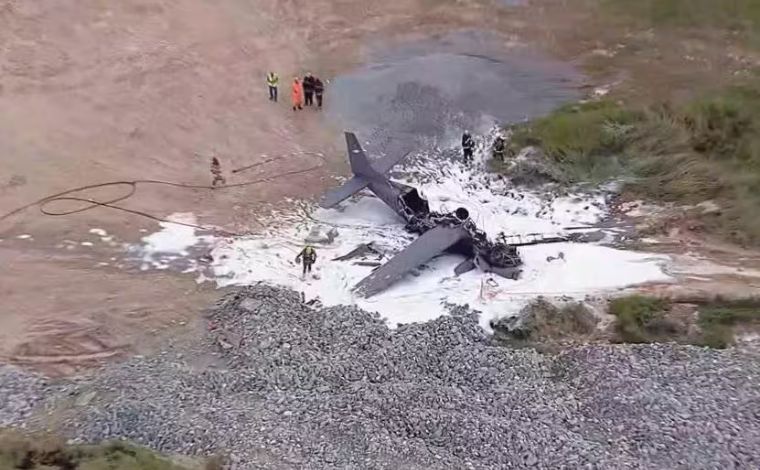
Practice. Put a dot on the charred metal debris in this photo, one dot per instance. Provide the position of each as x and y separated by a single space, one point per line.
453 232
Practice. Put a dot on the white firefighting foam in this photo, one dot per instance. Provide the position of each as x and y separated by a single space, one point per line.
564 269
171 246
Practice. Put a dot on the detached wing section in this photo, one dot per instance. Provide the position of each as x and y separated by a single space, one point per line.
431 244
350 187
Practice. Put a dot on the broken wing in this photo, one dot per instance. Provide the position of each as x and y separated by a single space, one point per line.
431 244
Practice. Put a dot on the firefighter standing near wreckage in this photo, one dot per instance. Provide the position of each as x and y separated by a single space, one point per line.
308 256
499 148
468 147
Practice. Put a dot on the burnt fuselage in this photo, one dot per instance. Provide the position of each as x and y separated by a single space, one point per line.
409 204
451 232
403 199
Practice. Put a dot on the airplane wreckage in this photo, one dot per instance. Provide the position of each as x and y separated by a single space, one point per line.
439 233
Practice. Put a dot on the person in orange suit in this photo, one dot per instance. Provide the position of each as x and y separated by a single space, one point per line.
297 94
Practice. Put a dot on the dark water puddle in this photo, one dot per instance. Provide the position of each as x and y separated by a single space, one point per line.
430 91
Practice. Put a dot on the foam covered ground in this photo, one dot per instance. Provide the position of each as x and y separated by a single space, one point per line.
562 269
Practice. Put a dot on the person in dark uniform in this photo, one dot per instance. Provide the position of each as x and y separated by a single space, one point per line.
499 148
468 147
308 89
216 172
319 89
309 256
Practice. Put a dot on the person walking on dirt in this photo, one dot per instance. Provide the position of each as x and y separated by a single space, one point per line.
309 256
216 173
296 93
468 147
319 89
499 148
272 82
308 89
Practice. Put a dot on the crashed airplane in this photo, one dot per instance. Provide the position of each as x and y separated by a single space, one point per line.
439 233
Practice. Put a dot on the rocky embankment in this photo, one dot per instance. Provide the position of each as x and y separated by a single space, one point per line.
292 386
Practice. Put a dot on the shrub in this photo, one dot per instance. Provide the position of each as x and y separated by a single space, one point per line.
724 126
718 321
639 318
717 337
642 319
542 321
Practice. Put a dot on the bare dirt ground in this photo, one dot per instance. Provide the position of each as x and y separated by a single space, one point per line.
627 56
94 91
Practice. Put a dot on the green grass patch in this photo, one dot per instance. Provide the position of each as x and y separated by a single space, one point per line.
707 149
639 318
584 140
38 452
596 128
718 321
725 126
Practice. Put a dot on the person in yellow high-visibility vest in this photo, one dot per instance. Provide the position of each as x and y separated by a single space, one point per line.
272 82
309 257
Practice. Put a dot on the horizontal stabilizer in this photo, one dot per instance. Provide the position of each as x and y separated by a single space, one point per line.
341 193
431 244
384 166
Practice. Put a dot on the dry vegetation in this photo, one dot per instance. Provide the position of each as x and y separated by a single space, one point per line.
683 150
43 451
708 149
739 18
642 319
544 326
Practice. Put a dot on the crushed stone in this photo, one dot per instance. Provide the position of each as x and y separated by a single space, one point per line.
291 386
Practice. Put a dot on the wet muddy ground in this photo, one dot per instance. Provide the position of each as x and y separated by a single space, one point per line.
410 94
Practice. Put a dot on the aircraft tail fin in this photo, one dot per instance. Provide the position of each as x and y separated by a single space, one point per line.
363 170
360 164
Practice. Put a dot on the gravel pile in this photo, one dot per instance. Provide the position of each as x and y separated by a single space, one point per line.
281 385
20 393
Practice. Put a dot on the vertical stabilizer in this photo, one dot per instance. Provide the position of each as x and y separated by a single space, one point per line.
360 164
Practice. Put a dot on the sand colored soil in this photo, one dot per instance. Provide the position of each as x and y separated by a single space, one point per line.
94 91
